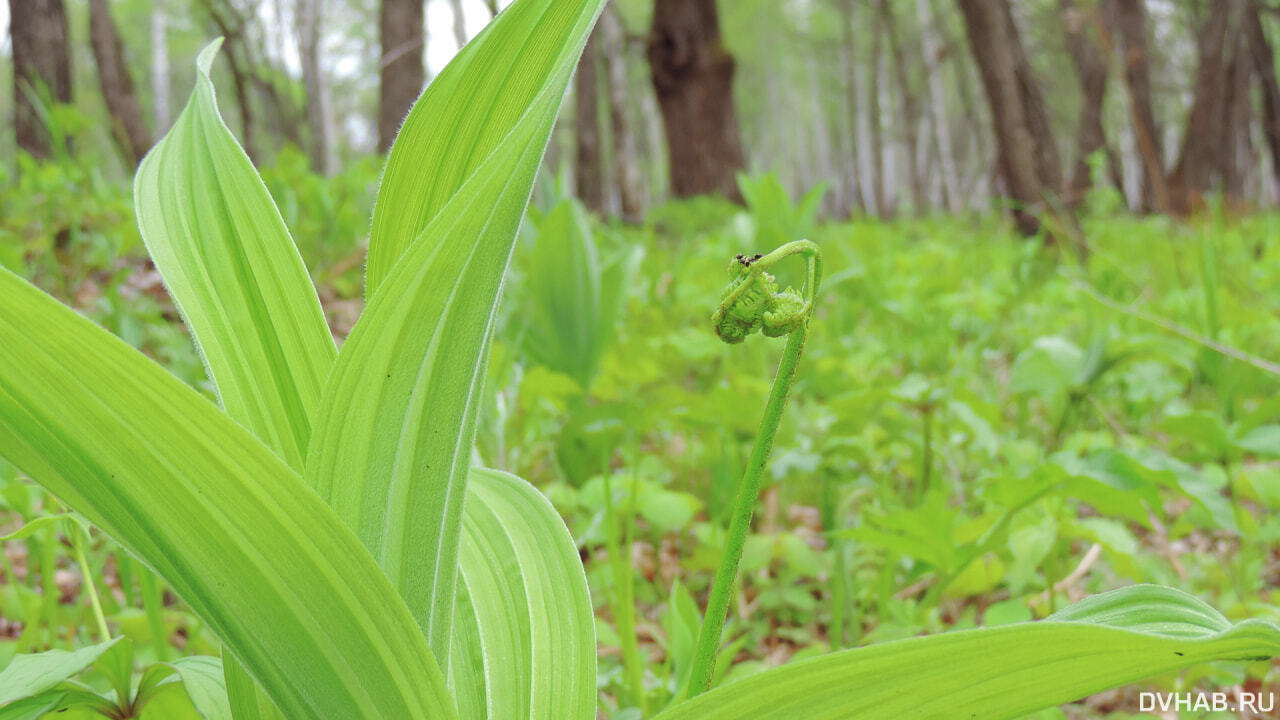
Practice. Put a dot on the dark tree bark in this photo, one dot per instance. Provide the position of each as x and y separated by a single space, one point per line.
1091 65
624 142
127 126
1198 165
41 59
588 166
1131 21
1235 147
693 80
1264 65
403 74
1028 158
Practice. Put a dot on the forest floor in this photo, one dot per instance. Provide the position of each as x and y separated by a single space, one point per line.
952 366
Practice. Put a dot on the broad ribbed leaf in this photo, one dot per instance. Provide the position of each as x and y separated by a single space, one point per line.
1004 672
524 602
232 529
235 274
467 111
230 266
28 675
393 438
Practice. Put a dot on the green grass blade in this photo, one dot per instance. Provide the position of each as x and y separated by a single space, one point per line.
392 442
467 112
232 529
997 673
526 604
235 274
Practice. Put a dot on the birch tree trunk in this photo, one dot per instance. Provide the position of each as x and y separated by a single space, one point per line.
159 68
1264 64
937 99
873 114
852 176
459 23
319 106
909 108
625 176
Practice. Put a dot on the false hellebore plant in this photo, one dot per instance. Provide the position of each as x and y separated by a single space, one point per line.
326 522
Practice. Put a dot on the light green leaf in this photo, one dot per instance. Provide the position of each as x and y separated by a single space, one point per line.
507 75
393 437
996 673
561 296
29 675
33 707
524 601
229 264
232 529
232 269
202 678
42 522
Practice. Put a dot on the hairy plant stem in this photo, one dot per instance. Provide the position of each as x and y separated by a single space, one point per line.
704 655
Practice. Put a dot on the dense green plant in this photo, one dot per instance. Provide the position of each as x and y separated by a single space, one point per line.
318 522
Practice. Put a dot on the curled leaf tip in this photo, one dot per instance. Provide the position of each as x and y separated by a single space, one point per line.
752 302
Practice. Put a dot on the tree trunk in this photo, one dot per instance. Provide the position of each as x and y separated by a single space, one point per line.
41 59
1235 153
127 126
853 177
319 108
624 142
693 80
980 162
874 115
402 76
588 166
232 29
1198 165
937 98
1091 66
1264 64
909 107
1028 158
459 23
1131 20
159 68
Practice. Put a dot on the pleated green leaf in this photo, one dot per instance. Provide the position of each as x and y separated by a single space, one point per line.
232 529
523 602
229 264
498 79
392 441
231 268
1106 641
